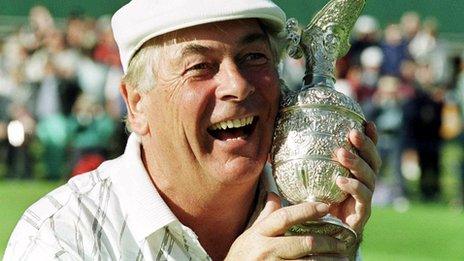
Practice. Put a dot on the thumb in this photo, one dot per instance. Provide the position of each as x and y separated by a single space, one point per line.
273 203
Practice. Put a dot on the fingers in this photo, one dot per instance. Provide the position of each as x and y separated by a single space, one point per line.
292 247
272 204
358 190
366 148
279 221
371 131
362 187
357 166
265 240
361 202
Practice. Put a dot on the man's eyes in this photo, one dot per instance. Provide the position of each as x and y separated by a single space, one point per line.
200 66
254 59
249 59
204 69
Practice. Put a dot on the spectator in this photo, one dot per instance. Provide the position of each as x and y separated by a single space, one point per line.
421 133
366 33
91 129
395 50
408 80
371 61
410 25
426 48
388 116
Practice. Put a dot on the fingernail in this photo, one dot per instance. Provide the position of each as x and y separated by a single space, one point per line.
348 155
321 207
342 180
359 135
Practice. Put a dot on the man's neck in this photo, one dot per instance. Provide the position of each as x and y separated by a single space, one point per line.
217 213
217 218
217 221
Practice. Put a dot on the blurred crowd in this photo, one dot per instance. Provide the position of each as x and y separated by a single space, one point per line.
61 112
61 109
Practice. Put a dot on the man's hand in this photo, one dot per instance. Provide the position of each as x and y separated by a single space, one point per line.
265 239
356 209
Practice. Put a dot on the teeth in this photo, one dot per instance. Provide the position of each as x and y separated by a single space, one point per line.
237 123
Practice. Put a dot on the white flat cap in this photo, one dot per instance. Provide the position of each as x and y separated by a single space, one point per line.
140 20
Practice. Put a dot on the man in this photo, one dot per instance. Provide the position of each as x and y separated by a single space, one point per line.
202 92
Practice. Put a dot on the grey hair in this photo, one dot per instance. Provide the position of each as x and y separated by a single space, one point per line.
141 72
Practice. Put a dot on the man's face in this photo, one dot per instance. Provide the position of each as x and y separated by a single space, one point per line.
213 105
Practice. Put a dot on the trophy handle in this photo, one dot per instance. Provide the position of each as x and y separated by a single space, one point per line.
323 40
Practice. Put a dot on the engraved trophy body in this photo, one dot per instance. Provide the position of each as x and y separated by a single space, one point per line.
315 120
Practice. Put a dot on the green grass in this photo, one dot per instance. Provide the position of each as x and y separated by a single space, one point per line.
433 231
425 232
15 197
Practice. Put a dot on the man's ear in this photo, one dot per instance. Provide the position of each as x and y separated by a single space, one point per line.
135 111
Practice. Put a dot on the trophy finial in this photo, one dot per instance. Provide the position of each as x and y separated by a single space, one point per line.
326 39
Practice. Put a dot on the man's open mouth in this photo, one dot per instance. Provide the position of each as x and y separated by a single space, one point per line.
233 129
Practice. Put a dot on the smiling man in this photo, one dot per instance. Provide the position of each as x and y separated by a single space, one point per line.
202 93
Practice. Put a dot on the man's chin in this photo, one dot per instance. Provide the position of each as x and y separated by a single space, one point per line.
240 170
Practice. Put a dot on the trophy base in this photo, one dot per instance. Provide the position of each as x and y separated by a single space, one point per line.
327 225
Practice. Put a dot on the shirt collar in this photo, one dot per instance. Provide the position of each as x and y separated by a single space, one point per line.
145 209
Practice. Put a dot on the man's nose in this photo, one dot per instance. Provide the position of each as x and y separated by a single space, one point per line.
234 86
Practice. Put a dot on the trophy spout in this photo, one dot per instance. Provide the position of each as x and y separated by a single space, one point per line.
324 40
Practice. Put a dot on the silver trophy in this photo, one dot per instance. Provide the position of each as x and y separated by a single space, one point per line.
315 120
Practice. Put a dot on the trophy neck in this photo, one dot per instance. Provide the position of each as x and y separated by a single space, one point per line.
311 80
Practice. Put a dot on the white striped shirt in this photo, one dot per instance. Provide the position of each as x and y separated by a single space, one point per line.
111 213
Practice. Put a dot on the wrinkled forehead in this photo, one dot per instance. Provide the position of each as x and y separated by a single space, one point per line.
226 31
234 35
234 31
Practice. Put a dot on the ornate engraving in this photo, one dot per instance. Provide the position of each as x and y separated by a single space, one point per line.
320 96
309 179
